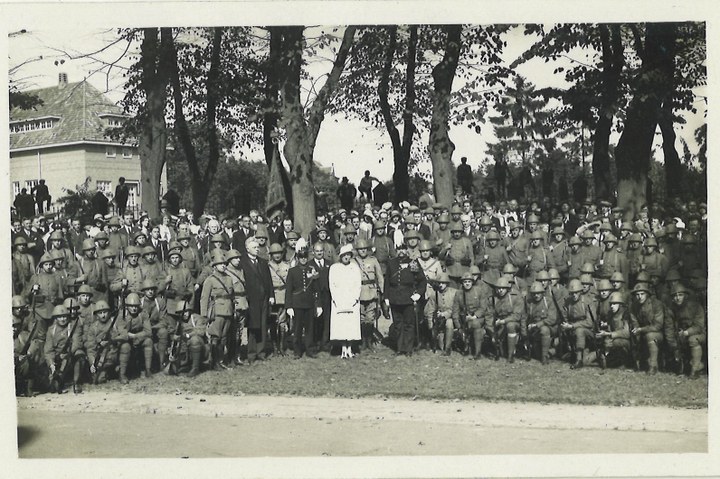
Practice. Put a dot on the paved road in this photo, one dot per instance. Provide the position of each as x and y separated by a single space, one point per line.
123 425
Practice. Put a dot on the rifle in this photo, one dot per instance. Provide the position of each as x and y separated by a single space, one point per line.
465 327
600 340
497 342
26 346
435 322
103 350
174 348
58 377
561 333
528 342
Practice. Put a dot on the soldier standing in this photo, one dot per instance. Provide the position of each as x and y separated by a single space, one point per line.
458 255
690 319
370 292
46 289
278 318
301 299
468 314
217 304
61 355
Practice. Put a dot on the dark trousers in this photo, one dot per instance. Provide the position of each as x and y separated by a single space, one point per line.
404 318
303 330
256 343
322 324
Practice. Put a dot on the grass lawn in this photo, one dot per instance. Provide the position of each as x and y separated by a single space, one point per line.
431 376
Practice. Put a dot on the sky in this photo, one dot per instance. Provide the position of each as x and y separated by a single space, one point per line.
349 147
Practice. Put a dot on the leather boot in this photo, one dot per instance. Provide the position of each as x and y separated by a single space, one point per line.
195 354
477 341
579 359
123 370
148 352
545 349
512 344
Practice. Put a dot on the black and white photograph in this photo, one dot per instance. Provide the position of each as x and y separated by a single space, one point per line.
359 239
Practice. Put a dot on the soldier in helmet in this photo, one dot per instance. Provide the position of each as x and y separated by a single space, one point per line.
134 336
130 276
689 318
261 234
63 350
291 239
152 269
117 241
23 265
619 283
56 243
432 267
29 331
278 322
92 271
190 254
648 322
102 242
505 313
575 258
412 240
652 261
443 233
45 288
439 312
237 325
193 334
517 245
611 259
382 244
634 255
539 257
614 333
217 304
559 249
518 286
100 343
577 321
494 257
65 276
458 255
155 308
541 319
180 281
468 315
370 292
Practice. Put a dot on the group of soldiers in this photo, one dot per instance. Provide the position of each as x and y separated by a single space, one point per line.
122 296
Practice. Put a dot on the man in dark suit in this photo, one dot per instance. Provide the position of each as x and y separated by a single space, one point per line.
243 233
259 289
322 325
275 230
301 302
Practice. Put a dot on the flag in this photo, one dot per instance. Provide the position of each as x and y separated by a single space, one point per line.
275 199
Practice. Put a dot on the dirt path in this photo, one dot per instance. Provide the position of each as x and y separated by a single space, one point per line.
103 424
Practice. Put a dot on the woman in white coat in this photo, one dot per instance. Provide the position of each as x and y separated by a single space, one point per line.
345 284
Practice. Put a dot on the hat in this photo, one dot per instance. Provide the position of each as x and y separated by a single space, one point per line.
512 225
232 254
502 283
138 234
378 225
456 210
641 287
558 231
610 238
443 218
617 297
183 235
101 306
175 248
456 226
55 235
412 234
148 284
605 204
217 238
533 219
538 235
85 289
635 238
386 206
587 268
292 235
218 257
18 301
575 240
261 232
586 279
349 229
617 277
60 310
46 258
275 248
132 250
132 299
642 277
587 234
346 249
438 206
101 236
88 244
575 286
679 289
148 250
443 278
604 226
57 254
409 220
604 285
626 226
542 275
98 216
651 241
689 239
509 268
362 244
394 214
474 269
485 221
553 273
114 221
673 275
536 288
492 236
181 307
467 276
425 245
20 240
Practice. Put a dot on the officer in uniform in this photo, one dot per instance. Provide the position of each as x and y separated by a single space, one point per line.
56 244
468 315
575 258
577 321
370 293
217 304
458 255
278 323
135 336
541 320
301 300
505 313
194 332
689 318
291 240
404 285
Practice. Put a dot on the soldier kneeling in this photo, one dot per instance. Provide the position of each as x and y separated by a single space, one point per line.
615 335
63 349
135 335
101 343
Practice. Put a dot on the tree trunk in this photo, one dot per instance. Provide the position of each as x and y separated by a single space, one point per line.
270 115
633 152
302 134
152 143
401 148
613 56
673 167
440 146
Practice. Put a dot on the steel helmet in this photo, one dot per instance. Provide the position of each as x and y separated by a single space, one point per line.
101 305
502 283
362 243
425 245
60 310
232 254
537 288
617 297
88 244
132 299
575 286
604 285
443 278
553 273
18 301
275 248
542 276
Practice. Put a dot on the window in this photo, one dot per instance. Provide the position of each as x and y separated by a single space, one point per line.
133 194
110 151
16 188
32 125
105 187
127 152
30 184
114 122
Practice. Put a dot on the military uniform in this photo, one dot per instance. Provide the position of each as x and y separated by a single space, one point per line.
134 276
439 313
23 266
577 314
370 294
95 333
384 250
690 321
279 325
302 297
55 343
404 278
217 304
509 308
49 294
468 310
543 315
458 258
140 327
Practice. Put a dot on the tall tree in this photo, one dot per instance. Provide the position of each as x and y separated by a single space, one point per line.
440 146
302 127
651 86
155 62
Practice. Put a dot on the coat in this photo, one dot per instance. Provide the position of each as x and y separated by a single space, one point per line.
345 287
259 289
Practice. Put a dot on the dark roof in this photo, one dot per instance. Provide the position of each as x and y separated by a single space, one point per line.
65 102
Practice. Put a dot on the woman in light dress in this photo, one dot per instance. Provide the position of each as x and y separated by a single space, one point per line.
345 283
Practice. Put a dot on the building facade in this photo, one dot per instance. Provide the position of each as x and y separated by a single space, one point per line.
64 141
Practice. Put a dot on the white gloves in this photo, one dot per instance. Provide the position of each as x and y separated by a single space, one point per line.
290 312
